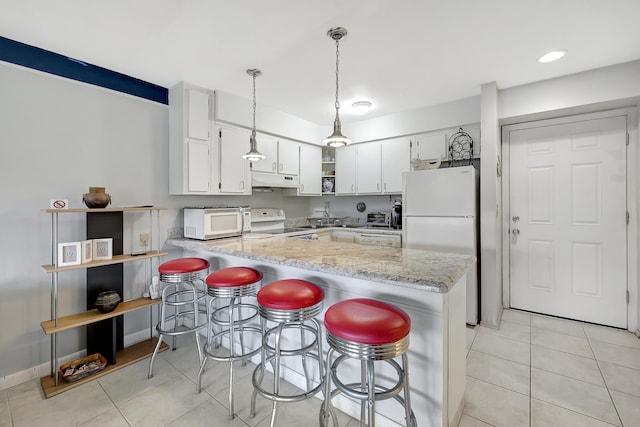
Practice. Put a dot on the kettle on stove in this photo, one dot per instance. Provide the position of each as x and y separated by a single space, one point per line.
396 214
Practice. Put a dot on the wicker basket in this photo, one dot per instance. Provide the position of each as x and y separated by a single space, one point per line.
84 367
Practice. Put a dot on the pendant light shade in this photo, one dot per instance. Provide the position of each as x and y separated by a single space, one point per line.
337 139
253 155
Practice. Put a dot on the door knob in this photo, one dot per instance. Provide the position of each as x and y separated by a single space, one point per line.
516 232
516 218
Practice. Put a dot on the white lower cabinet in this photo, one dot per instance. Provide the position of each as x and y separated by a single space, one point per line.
233 170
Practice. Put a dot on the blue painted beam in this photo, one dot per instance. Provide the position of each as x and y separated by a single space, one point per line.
50 62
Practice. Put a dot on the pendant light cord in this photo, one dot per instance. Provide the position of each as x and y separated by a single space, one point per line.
337 105
253 130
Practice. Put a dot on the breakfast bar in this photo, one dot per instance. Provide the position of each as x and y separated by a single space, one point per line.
429 286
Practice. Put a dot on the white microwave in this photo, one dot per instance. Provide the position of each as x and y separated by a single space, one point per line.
216 222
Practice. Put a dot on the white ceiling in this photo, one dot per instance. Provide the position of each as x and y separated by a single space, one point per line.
400 55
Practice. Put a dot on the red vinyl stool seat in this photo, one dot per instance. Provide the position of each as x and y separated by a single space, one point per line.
231 319
368 330
181 297
288 310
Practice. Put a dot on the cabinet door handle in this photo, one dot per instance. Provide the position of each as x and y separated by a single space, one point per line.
301 187
378 187
352 188
242 185
273 166
281 167
385 186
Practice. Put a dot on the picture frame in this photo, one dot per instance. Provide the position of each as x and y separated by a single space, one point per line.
87 251
102 249
69 253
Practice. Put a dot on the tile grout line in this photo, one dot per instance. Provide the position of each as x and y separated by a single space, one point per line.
126 420
615 408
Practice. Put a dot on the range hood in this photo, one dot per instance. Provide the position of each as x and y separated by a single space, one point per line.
273 180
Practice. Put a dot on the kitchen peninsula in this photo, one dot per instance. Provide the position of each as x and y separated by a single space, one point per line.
429 286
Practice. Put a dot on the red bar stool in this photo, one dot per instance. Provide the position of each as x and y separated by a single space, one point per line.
181 298
370 331
290 304
232 283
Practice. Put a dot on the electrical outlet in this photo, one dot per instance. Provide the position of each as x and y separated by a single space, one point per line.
144 239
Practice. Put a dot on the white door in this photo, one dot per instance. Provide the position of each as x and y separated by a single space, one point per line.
567 197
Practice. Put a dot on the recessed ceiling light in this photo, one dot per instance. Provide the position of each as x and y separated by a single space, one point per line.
361 107
552 56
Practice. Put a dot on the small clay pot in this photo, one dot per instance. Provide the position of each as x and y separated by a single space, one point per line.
107 301
96 198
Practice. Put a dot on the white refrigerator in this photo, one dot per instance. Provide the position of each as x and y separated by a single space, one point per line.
439 212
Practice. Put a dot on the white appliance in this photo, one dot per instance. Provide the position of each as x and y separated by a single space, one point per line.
273 180
216 222
269 221
440 214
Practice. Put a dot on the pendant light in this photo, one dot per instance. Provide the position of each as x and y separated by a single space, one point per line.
253 155
337 139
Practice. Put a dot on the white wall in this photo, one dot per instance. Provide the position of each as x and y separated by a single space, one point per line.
59 137
238 111
441 116
490 211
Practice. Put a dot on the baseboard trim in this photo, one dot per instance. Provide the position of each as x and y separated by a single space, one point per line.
44 369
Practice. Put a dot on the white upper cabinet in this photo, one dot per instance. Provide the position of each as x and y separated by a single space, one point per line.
372 167
346 170
281 156
288 157
198 114
310 170
429 146
198 168
268 146
368 168
395 161
234 170
190 141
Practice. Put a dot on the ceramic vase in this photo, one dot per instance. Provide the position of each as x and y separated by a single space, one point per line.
96 198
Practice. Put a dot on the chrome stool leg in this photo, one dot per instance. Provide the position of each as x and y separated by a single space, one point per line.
235 326
369 342
290 306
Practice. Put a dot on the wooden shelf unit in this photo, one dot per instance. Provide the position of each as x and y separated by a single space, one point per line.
90 316
126 357
117 259
117 356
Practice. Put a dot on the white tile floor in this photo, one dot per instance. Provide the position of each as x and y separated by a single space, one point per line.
538 371
535 371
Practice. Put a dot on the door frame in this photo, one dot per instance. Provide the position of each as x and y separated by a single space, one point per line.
632 200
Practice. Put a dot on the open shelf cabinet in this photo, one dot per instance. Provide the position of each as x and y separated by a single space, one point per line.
104 330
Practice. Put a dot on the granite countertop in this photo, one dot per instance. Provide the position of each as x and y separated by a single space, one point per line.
426 270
